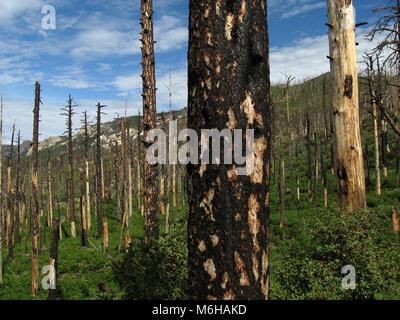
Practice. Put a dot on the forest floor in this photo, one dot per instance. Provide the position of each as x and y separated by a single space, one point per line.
305 255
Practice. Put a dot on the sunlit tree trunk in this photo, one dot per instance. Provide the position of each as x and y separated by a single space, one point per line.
349 165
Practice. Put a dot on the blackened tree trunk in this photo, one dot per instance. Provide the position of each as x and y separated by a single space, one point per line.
69 112
18 194
10 199
100 226
349 165
55 236
309 160
87 187
229 88
151 219
34 196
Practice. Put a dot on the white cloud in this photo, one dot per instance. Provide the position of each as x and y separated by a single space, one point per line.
303 9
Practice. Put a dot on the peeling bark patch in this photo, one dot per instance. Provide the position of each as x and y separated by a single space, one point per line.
242 11
230 21
229 295
225 280
209 267
255 266
206 204
348 86
218 7
241 270
203 168
214 240
256 163
254 223
265 277
248 107
232 123
202 246
232 176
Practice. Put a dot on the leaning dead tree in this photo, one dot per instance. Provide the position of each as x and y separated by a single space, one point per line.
229 88
151 219
34 195
69 112
347 146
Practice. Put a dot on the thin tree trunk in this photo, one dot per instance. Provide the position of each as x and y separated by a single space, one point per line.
18 192
395 221
229 86
10 199
282 191
84 237
55 236
349 165
309 160
100 226
87 190
34 200
151 219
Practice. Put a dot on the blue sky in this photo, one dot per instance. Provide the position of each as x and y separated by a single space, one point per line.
94 54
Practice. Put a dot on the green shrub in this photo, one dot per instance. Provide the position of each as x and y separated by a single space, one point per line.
326 243
157 271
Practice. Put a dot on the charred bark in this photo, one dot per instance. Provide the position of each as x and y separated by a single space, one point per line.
151 219
229 88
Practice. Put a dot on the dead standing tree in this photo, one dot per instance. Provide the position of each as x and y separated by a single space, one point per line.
229 87
69 112
1 190
34 195
149 122
10 199
100 224
348 148
87 181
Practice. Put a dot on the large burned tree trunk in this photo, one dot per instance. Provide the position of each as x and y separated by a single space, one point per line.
100 226
229 88
347 147
34 196
151 189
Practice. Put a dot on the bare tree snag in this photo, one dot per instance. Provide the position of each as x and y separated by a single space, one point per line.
84 237
151 219
10 199
55 236
34 196
18 194
50 189
69 112
98 175
309 160
229 88
87 189
349 165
